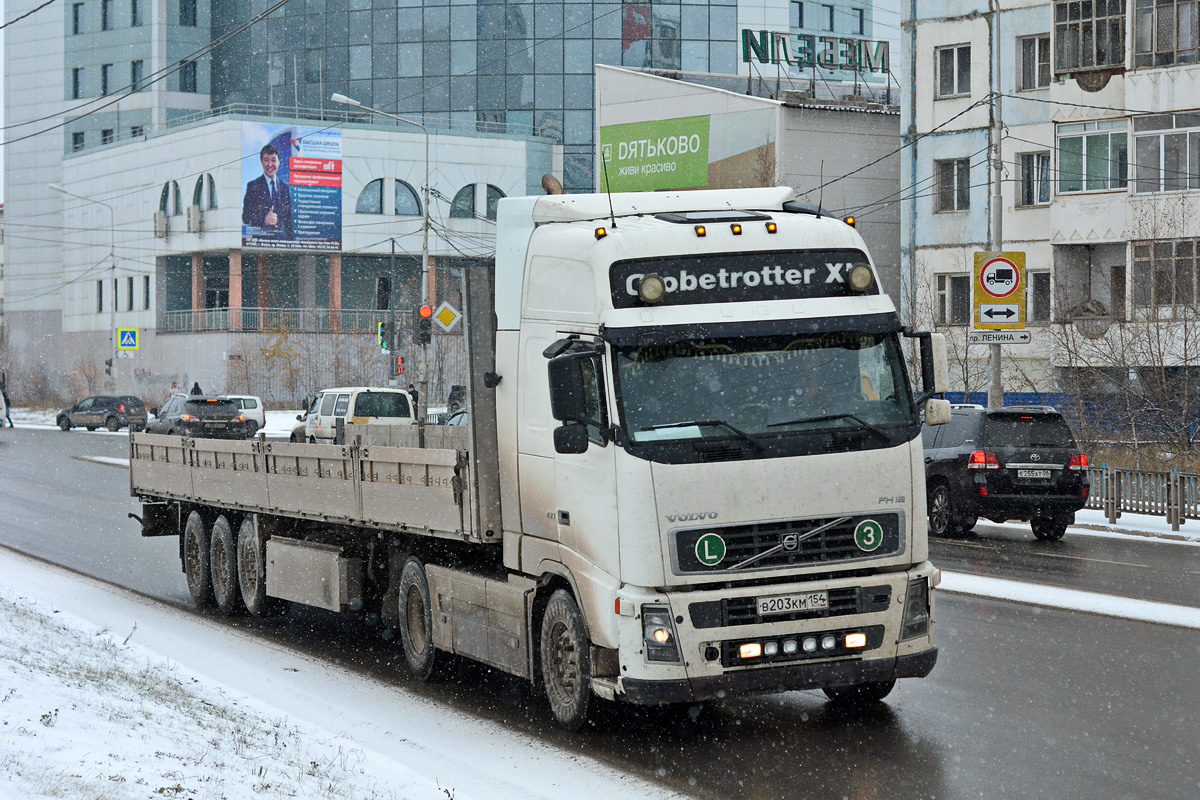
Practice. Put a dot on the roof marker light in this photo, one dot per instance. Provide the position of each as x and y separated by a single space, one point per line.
736 228
851 221
601 232
701 231
772 227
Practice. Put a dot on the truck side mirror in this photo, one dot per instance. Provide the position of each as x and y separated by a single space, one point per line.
937 412
933 353
567 398
571 438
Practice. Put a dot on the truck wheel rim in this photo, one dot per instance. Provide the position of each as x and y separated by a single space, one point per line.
248 562
414 620
220 567
564 663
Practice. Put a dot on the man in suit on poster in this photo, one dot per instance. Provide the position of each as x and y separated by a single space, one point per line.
268 201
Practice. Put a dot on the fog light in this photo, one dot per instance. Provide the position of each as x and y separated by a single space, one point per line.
750 650
828 641
790 646
810 644
856 640
771 648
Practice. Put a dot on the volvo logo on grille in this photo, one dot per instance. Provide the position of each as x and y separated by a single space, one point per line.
693 516
790 541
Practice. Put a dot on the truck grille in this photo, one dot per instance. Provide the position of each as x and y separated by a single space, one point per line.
787 543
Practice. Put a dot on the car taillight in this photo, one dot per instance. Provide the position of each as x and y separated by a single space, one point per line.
983 459
186 417
242 417
121 408
1078 462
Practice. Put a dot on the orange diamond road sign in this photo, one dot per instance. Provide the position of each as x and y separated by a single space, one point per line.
446 316
998 291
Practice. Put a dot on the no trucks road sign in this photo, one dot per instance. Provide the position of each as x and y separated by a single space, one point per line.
998 291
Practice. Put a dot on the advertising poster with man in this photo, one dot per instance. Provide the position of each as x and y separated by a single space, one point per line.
292 179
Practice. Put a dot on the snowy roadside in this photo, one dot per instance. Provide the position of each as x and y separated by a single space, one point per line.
107 695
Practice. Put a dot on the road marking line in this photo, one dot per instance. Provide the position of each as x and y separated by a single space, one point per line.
1055 597
1054 555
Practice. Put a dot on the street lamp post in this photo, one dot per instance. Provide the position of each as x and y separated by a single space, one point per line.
112 259
350 101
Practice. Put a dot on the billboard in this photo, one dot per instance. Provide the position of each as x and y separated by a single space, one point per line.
292 179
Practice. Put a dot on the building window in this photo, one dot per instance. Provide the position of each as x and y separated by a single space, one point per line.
77 141
494 195
370 199
106 74
77 18
1035 62
187 13
137 70
129 287
860 20
1166 152
954 70
187 77
953 299
1093 156
405 200
1039 296
1035 179
797 14
136 130
827 14
106 15
1088 34
463 205
100 296
146 292
1165 32
1164 278
106 136
953 184
135 13
76 83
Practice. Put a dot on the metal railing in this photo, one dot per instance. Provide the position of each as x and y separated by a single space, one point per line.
1174 495
299 320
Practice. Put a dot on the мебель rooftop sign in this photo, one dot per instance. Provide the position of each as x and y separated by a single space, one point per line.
802 50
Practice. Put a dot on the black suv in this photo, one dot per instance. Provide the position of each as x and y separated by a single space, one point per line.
109 411
199 416
1016 462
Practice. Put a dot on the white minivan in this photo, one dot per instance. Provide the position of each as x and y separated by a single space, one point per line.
353 404
252 408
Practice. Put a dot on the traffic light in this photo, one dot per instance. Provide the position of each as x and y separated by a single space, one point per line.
108 366
398 365
385 335
424 332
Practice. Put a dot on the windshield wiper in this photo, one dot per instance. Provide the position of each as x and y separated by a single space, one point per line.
866 426
714 423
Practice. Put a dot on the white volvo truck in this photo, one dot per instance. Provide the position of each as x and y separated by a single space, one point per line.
693 469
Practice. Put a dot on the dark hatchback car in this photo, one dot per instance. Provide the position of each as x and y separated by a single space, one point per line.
104 411
200 417
1016 462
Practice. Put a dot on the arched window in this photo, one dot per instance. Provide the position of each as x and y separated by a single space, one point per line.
212 190
205 182
164 199
177 205
370 200
407 202
463 206
198 192
493 197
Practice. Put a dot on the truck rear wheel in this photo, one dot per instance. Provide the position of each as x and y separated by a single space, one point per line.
223 562
566 661
196 561
416 622
252 573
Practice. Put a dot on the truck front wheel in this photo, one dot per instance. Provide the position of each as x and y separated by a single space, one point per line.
197 565
416 622
566 661
223 562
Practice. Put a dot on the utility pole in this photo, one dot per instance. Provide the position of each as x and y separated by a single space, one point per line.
995 133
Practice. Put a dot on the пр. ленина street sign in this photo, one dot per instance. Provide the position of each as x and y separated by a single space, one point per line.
999 337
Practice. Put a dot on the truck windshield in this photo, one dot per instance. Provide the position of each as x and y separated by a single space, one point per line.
783 394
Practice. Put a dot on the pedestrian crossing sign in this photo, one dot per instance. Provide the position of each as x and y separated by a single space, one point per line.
127 338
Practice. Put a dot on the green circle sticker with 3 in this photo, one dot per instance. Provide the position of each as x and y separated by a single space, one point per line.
868 535
710 549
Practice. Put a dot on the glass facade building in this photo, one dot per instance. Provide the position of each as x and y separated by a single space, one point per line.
524 65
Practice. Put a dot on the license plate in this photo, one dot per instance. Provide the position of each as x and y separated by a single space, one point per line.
790 603
216 424
1034 473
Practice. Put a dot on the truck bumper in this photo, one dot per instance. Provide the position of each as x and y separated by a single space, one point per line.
779 679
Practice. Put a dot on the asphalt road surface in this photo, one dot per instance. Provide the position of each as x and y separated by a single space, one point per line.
1026 701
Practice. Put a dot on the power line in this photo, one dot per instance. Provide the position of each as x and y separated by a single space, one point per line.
30 12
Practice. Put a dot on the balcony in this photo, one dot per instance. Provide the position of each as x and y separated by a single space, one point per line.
297 320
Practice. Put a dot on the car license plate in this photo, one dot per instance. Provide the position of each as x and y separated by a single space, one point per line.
790 603
1033 473
216 424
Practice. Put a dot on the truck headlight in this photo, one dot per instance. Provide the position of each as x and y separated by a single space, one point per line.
658 631
916 610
